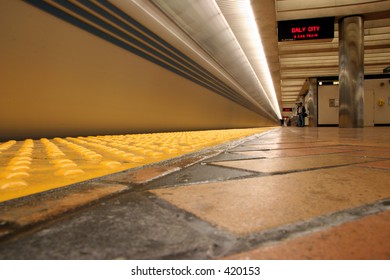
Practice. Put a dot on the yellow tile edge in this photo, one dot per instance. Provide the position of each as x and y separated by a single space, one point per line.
32 166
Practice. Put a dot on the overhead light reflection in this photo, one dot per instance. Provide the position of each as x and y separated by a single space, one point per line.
255 35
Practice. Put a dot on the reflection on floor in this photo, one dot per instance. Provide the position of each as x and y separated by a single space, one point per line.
288 193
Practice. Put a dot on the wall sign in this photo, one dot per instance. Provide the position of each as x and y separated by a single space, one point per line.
306 29
334 102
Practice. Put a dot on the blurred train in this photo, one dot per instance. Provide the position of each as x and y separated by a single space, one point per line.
75 68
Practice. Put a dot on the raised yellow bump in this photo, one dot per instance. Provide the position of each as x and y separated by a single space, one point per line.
17 167
20 162
111 164
69 172
17 175
13 184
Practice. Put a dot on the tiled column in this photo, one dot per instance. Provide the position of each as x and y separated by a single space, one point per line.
351 72
312 100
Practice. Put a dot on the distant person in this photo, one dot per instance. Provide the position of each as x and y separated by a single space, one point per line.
301 112
288 121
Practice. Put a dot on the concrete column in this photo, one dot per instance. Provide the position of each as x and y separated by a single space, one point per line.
312 101
351 72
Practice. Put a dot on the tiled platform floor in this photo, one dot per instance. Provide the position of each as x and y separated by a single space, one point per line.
289 193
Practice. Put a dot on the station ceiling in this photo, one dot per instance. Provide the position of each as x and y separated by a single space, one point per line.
294 62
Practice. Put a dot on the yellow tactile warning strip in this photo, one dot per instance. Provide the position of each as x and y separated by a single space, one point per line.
32 166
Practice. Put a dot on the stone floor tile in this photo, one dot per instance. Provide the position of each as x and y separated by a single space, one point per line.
271 165
149 173
273 146
373 154
256 204
378 164
131 226
227 156
27 211
141 176
199 173
366 238
292 152
362 148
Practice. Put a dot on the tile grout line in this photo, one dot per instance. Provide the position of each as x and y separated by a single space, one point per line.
265 174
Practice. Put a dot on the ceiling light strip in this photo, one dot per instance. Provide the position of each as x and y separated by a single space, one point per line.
245 22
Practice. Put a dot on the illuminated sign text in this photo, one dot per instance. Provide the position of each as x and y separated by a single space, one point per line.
306 29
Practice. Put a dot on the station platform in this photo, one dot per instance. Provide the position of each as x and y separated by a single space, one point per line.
267 193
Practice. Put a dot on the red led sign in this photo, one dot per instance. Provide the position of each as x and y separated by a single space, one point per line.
306 29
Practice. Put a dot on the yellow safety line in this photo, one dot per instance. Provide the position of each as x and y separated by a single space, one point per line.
33 166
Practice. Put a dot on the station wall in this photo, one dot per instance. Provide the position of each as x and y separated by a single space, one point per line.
375 91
